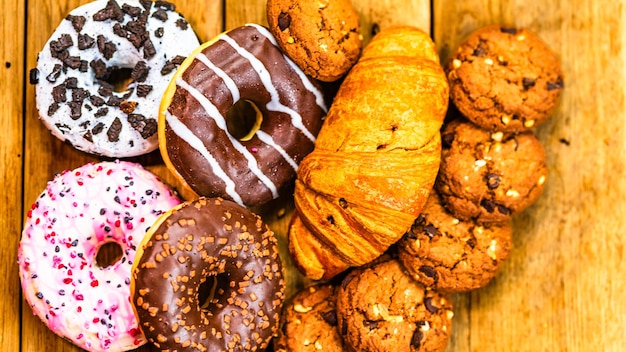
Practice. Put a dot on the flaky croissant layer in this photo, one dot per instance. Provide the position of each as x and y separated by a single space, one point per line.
375 159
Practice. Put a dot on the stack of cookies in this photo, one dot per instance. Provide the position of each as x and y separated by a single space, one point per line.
504 82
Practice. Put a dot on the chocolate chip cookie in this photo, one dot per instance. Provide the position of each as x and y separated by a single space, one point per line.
320 36
489 176
381 308
505 79
452 255
310 322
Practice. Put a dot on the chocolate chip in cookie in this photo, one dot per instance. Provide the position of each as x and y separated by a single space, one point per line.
381 308
452 255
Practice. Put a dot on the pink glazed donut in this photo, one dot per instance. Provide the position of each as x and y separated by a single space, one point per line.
79 211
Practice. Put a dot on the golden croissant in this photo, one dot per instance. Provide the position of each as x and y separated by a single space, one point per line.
375 159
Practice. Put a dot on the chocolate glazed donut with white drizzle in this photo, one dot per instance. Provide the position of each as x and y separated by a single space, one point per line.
244 64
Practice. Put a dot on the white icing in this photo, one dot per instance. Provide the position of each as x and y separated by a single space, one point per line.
174 41
78 212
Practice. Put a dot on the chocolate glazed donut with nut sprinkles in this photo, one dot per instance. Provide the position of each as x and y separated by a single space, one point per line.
225 245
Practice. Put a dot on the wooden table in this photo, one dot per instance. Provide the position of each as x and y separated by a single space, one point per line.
563 287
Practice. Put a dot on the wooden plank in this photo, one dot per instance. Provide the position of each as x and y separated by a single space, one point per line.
562 288
11 151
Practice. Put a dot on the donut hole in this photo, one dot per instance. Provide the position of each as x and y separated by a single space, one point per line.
108 254
243 120
206 291
120 78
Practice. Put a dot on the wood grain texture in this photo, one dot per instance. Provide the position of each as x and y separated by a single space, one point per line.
11 161
562 288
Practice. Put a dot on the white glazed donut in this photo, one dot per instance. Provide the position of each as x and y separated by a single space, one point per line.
78 212
93 44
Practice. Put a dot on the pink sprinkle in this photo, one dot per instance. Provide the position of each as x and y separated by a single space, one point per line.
30 213
109 172
79 309
37 221
96 319
94 283
80 183
255 149
142 220
67 280
117 223
129 225
133 332
75 204
69 272
79 297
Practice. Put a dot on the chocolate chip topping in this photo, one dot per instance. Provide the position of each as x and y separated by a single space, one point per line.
160 14
488 205
159 32
528 82
143 90
182 24
171 65
132 11
330 317
428 271
58 93
213 238
65 41
493 181
99 69
75 109
112 11
416 338
428 304
284 21
101 112
146 127
147 4
33 76
555 85
140 71
106 47
99 127
114 130
77 22
166 5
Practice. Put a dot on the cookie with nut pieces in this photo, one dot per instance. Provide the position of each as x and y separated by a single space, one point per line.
489 176
505 79
320 36
310 322
451 255
381 308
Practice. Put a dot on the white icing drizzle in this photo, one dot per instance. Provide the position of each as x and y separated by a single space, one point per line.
220 121
267 139
274 104
185 133
232 86
319 97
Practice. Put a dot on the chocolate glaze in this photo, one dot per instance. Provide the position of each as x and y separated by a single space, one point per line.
199 240
249 186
